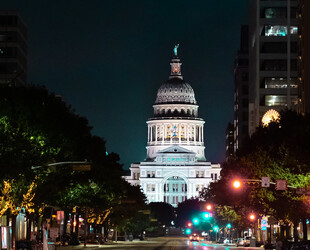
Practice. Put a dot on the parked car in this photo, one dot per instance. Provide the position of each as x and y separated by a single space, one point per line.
245 242
226 241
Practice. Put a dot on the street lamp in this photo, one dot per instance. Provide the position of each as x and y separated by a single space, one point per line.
252 217
236 184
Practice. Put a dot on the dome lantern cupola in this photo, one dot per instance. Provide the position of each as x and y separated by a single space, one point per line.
175 90
176 65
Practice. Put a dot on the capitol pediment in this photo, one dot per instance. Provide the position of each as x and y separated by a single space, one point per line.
175 149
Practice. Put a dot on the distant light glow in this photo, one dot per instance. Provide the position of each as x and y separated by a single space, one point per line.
195 221
236 184
269 116
208 207
252 216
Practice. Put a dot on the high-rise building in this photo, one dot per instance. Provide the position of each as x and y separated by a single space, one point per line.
241 95
304 56
175 168
230 141
13 49
272 60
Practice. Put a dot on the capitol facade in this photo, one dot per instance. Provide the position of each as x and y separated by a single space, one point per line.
175 168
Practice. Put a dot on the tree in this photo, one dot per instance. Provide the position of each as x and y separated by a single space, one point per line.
280 151
162 212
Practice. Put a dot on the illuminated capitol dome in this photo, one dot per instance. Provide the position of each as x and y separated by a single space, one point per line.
175 168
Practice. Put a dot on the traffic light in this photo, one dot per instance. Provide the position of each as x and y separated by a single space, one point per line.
236 184
189 224
188 231
228 225
216 228
196 221
207 215
209 207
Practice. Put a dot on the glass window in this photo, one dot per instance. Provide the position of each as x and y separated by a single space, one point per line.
279 82
274 65
153 187
275 13
279 100
279 30
202 174
153 174
148 188
148 174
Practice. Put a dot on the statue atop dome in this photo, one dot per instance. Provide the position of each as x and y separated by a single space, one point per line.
175 50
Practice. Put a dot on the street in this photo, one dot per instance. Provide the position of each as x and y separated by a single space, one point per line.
171 243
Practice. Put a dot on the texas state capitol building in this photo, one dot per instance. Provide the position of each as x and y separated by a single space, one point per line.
175 168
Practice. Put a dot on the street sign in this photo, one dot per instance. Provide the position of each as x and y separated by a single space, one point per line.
266 181
281 184
264 224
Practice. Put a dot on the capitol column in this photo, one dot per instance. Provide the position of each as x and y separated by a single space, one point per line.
157 192
179 133
195 134
202 133
148 133
156 133
187 128
162 128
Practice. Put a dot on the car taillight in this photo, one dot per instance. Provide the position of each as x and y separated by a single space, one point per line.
190 237
197 238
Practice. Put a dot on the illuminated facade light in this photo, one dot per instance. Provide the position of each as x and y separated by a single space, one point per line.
269 116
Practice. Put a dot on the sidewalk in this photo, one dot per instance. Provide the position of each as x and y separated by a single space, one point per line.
96 246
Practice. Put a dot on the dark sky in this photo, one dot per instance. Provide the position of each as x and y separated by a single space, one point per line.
108 58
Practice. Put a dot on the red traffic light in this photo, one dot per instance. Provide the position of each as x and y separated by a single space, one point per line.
209 207
189 224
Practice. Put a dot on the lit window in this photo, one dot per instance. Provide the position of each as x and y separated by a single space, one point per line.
279 30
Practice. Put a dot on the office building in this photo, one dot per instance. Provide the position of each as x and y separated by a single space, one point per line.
13 49
272 60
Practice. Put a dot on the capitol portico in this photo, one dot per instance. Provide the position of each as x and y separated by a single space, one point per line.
175 168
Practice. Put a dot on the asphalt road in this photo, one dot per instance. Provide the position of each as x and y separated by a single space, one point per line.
166 243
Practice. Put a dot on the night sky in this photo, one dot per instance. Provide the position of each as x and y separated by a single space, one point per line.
108 58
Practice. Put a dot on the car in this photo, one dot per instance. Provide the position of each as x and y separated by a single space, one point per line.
226 241
194 237
245 242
